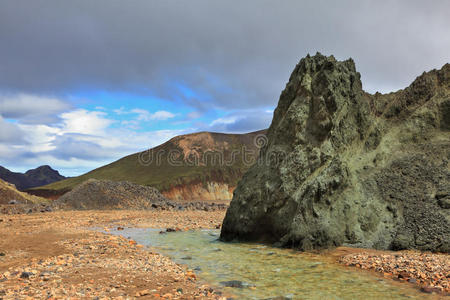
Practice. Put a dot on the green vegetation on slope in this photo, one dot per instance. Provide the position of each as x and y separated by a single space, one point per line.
193 158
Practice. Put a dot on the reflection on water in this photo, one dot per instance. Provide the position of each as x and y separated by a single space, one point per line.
261 272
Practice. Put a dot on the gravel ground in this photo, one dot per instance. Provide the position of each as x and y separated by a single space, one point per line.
53 255
431 271
56 255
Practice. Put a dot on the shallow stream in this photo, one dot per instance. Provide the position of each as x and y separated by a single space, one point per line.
267 272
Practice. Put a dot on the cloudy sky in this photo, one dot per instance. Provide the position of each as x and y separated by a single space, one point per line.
83 83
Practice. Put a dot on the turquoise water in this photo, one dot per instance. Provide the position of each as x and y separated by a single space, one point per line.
267 272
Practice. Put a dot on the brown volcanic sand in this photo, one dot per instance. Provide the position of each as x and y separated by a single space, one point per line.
66 259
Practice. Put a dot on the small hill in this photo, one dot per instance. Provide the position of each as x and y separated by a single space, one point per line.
106 194
202 166
9 193
32 178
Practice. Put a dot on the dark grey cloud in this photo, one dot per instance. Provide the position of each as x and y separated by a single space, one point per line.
31 109
235 54
69 146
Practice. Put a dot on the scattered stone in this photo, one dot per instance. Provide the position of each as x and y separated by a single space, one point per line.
26 275
422 268
143 293
98 265
430 289
234 284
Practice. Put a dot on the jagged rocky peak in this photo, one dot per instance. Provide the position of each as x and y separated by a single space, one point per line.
342 166
319 89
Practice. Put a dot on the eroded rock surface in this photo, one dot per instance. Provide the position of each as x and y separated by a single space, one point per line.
344 167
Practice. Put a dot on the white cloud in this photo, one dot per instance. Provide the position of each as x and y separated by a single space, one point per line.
242 121
193 115
10 133
39 137
32 109
121 111
80 141
223 121
85 122
145 115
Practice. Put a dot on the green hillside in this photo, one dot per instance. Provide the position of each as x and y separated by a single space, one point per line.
186 159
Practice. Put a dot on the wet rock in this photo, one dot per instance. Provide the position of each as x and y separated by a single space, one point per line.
232 283
236 284
430 289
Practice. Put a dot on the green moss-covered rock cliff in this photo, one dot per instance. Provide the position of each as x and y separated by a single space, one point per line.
344 167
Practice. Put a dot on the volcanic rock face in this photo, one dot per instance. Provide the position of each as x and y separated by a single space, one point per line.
343 167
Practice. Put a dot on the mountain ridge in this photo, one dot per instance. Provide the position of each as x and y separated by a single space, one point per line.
196 166
39 176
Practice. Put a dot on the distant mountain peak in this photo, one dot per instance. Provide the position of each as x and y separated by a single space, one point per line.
41 175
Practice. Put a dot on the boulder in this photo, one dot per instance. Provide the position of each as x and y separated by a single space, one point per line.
344 167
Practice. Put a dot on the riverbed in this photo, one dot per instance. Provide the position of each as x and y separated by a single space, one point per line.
256 271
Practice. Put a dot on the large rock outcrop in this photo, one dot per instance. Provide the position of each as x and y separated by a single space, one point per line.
344 167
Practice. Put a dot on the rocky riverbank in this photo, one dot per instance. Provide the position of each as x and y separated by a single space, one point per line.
54 255
28 208
57 254
431 271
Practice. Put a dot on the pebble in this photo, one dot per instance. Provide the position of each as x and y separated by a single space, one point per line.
431 271
125 266
26 275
